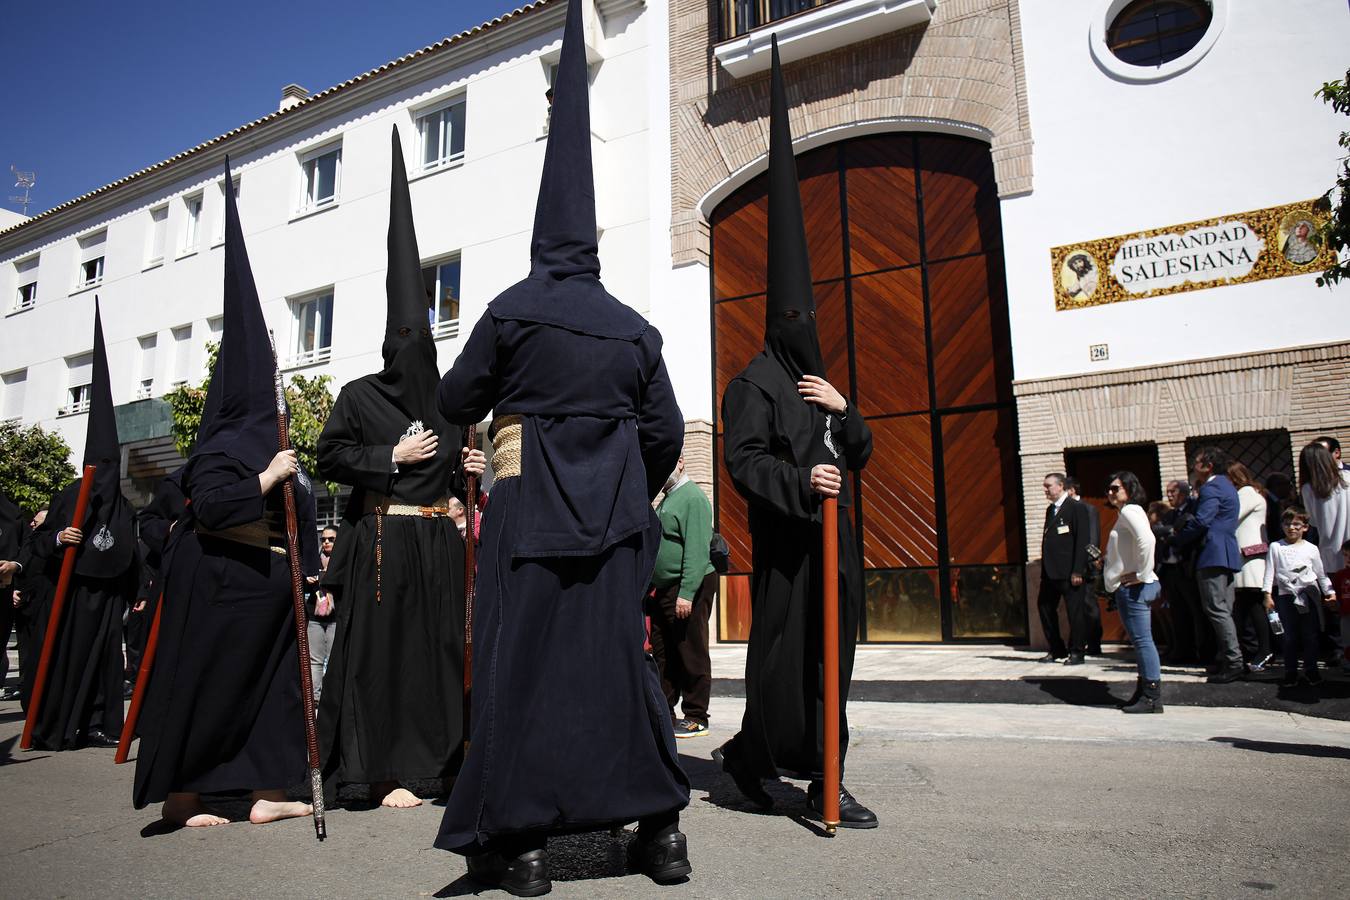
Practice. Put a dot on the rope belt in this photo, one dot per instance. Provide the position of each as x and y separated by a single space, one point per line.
382 506
253 534
506 446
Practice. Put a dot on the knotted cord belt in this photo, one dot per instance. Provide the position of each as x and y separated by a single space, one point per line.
506 431
382 506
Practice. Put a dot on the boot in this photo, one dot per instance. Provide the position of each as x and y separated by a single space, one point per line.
1138 692
1150 699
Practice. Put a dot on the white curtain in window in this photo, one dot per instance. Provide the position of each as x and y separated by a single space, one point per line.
80 369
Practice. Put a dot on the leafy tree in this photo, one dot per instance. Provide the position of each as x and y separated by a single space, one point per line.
309 399
34 465
1336 231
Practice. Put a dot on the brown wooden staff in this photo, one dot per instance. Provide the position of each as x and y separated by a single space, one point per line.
142 681
470 570
830 578
58 604
301 628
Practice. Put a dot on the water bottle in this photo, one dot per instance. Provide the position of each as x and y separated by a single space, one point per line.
1276 626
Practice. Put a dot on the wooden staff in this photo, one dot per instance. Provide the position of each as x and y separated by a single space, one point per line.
830 578
142 681
58 604
470 570
301 629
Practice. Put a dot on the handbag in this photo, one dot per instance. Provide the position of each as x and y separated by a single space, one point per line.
1252 550
719 554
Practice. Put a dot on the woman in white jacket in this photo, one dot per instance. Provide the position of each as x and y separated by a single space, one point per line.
1249 611
1129 573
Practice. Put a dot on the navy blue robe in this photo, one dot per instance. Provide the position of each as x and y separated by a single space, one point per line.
568 730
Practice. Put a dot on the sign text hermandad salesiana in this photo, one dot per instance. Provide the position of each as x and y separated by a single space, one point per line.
1250 246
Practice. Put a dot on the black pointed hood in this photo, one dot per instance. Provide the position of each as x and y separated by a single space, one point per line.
109 537
790 311
240 415
564 286
410 376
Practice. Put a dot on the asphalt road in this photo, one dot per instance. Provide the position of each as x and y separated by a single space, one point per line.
975 800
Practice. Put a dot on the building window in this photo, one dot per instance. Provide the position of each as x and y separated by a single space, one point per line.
220 223
441 136
15 384
145 385
312 328
740 16
80 377
442 281
90 272
1266 453
1149 33
182 355
25 297
159 221
193 226
321 170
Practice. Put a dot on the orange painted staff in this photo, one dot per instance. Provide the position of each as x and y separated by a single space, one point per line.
58 604
142 681
470 570
830 579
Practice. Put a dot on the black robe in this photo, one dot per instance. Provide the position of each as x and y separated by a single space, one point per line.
30 618
222 710
154 522
773 438
13 531
569 729
393 693
84 679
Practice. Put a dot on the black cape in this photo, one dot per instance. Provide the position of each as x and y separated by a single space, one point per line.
222 711
392 703
84 682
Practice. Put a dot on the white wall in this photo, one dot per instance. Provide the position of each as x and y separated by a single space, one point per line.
1239 131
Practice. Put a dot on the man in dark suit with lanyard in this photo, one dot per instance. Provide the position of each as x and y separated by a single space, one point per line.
1064 567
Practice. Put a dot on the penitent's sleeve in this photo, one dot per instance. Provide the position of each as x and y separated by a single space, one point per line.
223 494
660 423
469 390
760 476
344 457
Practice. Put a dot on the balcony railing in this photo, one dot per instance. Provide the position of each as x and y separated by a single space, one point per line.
737 17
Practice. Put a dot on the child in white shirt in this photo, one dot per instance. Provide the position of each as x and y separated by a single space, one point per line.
1295 578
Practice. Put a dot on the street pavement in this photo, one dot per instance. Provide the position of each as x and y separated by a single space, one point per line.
975 800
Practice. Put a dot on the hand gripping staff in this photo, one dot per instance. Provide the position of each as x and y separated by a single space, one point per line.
142 683
470 570
298 603
830 636
58 604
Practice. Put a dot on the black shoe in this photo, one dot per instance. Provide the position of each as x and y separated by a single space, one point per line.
852 814
1313 678
1095 650
1149 699
1289 680
664 859
1050 658
1074 659
1226 676
748 784
128 690
97 737
1213 669
9 693
525 875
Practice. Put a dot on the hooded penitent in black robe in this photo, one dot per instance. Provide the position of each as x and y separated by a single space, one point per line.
393 694
13 530
568 728
154 520
84 679
36 589
223 709
773 438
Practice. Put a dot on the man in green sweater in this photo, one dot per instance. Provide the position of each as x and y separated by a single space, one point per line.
680 601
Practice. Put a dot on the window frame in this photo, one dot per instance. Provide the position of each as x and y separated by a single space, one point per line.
7 384
78 394
300 356
144 387
446 159
447 328
158 238
25 276
192 225
219 237
1115 67
308 161
96 242
182 354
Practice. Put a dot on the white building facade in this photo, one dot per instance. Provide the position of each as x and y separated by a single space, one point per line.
961 162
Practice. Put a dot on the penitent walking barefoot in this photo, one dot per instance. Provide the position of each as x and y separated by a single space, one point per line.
187 810
272 806
399 798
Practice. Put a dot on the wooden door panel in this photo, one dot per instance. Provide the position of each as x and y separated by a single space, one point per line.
971 361
740 335
888 336
818 180
740 226
982 485
898 509
883 218
732 517
960 197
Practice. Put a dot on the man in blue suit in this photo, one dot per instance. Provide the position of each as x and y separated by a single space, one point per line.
1215 526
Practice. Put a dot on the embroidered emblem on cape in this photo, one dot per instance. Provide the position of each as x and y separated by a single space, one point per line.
103 539
303 477
829 437
415 429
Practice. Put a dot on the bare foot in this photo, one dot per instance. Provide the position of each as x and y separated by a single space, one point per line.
187 811
265 811
400 798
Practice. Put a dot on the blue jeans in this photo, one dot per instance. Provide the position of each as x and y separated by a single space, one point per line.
1133 602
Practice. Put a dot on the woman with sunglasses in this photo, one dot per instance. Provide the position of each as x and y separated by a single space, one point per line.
1129 574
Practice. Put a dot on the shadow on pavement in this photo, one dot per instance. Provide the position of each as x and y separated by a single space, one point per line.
1076 691
1318 750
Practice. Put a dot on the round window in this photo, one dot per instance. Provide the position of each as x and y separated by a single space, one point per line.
1151 33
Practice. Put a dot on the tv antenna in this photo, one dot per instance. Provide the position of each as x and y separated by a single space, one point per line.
24 180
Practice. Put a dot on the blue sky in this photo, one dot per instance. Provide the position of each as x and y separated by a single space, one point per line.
95 90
